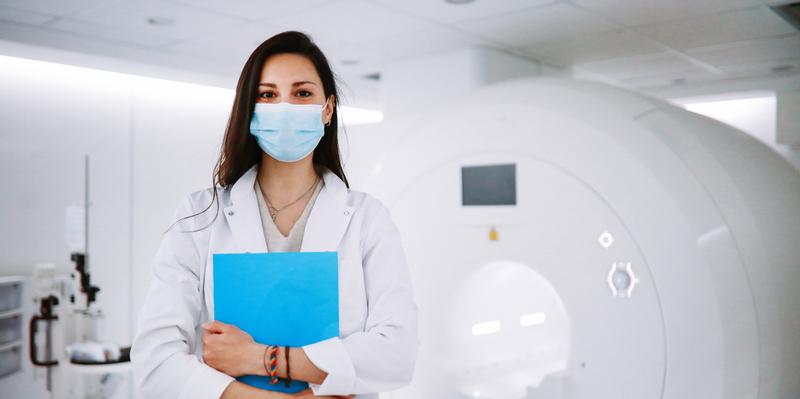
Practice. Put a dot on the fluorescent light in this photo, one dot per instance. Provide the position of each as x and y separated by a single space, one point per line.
359 116
98 78
715 109
753 112
532 319
487 327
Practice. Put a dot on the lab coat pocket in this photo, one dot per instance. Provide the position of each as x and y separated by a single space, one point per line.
352 297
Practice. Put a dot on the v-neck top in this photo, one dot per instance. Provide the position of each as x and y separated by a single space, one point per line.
276 241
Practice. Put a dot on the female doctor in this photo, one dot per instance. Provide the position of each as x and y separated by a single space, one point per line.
280 144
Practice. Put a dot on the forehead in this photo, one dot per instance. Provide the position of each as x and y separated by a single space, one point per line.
288 68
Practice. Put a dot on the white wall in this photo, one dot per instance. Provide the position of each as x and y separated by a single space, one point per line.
149 141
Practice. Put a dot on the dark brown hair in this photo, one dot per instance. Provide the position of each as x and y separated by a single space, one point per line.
240 151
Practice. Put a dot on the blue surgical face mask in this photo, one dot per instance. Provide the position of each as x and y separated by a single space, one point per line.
287 132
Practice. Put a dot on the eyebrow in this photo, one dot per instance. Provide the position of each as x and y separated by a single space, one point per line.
293 84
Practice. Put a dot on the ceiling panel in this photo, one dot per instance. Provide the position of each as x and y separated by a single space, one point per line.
345 58
776 67
23 16
54 7
595 46
351 59
421 42
443 12
233 44
104 32
236 52
110 49
254 9
639 66
745 24
748 51
350 21
689 76
130 18
641 12
778 2
542 24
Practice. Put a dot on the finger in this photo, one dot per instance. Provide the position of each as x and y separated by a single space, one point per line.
214 327
210 339
224 327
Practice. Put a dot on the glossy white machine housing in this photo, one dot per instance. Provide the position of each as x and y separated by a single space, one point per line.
707 217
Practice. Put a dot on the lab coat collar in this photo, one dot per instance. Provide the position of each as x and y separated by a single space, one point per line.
324 228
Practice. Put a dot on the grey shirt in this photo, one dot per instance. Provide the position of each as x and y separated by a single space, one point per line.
276 241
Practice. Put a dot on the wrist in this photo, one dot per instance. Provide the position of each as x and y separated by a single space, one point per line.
256 363
281 362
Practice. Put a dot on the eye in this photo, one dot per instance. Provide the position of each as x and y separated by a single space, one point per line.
304 93
266 94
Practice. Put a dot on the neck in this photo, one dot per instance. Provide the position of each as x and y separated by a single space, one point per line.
284 182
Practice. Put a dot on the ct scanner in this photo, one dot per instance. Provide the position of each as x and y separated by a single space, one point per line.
651 252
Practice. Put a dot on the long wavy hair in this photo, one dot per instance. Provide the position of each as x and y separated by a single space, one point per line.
240 151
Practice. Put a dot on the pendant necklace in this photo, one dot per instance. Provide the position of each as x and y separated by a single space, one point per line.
273 212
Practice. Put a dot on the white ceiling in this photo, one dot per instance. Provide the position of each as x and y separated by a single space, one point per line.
641 44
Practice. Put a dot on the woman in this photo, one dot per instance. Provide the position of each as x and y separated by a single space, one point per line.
281 188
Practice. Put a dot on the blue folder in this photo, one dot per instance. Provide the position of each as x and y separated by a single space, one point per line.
280 298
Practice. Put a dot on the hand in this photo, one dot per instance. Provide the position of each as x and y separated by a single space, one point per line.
230 350
308 393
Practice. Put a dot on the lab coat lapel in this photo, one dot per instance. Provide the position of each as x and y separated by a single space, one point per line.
243 216
324 228
329 216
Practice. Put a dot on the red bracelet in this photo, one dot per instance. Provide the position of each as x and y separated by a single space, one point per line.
288 375
266 367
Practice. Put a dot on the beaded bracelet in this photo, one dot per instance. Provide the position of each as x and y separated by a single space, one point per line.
273 364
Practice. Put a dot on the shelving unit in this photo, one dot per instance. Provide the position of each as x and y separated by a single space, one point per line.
11 325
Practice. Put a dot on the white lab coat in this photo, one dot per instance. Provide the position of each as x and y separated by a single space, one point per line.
377 344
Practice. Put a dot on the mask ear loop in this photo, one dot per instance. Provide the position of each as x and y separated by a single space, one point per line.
323 107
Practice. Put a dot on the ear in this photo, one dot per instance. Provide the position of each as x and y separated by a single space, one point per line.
328 111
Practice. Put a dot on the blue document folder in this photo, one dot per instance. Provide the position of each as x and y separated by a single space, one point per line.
280 298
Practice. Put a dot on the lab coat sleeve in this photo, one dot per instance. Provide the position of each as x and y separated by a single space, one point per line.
162 353
382 357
